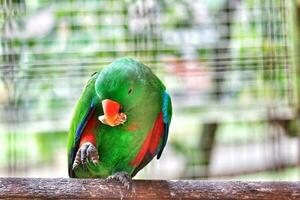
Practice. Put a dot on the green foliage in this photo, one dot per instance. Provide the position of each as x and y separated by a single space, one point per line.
49 144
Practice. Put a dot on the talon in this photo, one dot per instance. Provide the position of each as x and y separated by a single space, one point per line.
83 154
77 159
92 153
122 177
75 165
86 152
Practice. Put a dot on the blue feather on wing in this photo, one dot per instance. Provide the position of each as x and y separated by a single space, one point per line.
79 132
166 119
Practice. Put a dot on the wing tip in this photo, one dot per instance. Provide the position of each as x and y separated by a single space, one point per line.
158 155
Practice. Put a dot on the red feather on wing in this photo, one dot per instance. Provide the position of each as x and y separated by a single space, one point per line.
88 134
151 142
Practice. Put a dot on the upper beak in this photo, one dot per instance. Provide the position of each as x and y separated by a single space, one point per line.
111 110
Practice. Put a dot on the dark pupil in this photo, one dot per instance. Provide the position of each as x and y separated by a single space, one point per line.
129 91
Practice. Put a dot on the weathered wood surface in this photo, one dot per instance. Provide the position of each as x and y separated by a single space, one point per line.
60 188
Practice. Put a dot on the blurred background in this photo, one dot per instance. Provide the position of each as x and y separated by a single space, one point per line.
230 67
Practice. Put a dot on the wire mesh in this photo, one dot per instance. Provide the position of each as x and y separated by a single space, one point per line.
225 62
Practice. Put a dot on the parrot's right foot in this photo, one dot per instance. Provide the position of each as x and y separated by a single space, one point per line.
86 152
122 177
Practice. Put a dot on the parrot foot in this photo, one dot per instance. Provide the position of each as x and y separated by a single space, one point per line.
122 177
121 119
86 152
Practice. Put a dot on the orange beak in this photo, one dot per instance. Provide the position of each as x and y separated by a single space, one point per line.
111 110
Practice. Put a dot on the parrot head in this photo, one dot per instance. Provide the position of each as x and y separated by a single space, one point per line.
121 87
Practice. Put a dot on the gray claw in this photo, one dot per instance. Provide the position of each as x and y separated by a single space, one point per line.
83 155
75 164
86 152
122 177
92 154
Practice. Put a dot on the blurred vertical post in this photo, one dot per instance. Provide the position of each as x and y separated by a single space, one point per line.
221 53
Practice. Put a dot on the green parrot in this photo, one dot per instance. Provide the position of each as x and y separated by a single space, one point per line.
120 123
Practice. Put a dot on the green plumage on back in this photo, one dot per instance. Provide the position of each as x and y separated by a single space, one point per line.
81 110
124 147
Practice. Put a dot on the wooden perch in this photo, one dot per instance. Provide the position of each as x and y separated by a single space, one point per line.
61 188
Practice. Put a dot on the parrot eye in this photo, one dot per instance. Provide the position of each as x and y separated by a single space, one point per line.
130 91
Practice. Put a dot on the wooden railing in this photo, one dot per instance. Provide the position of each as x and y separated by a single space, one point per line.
61 188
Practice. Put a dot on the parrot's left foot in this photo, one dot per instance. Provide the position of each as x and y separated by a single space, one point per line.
86 152
122 177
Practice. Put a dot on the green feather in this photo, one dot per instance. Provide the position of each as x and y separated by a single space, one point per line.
88 95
